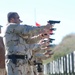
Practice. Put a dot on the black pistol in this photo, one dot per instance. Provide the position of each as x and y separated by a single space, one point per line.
53 21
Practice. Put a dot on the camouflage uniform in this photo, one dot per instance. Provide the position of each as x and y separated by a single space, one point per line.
35 54
38 56
31 67
16 41
32 64
39 63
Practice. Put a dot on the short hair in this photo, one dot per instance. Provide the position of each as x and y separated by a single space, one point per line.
11 15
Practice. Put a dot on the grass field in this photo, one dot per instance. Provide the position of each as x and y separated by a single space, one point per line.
66 46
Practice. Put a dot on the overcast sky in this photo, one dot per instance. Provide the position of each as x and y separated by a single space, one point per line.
41 11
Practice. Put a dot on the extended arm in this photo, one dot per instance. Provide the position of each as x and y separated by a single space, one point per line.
26 31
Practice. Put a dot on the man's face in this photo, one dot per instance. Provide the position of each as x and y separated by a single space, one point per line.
17 19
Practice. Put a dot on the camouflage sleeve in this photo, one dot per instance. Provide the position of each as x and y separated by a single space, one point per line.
35 47
42 56
39 55
26 31
32 31
33 39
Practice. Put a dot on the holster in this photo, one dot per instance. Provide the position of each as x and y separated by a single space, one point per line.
14 60
14 57
39 69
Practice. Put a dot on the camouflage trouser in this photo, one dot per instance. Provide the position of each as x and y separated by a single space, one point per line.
34 70
20 68
41 73
30 70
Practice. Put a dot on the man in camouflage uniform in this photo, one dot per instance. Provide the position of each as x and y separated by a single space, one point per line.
32 69
36 61
17 40
2 55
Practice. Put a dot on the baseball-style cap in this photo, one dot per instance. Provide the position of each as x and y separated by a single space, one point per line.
12 15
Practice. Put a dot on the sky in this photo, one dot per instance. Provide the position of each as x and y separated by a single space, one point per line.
41 11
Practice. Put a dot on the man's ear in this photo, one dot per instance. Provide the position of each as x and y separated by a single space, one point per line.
12 19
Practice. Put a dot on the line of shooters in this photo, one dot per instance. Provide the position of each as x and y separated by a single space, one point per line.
26 46
35 62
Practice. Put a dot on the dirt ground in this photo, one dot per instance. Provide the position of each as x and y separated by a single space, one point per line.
2 72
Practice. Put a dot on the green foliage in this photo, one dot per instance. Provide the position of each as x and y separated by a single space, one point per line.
66 46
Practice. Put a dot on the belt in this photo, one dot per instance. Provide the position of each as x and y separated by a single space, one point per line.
39 64
17 56
14 57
